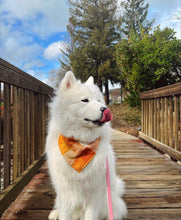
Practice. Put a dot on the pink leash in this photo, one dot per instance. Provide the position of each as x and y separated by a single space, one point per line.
109 190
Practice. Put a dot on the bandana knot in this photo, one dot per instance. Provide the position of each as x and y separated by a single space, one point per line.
77 155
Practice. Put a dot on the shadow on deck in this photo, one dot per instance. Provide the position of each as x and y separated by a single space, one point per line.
153 185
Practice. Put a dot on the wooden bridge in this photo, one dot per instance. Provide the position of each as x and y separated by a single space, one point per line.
153 179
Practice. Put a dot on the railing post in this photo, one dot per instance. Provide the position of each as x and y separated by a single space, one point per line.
7 135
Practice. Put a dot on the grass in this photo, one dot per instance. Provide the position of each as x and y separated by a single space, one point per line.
125 118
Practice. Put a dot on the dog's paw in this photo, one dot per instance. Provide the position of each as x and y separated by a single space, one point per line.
54 215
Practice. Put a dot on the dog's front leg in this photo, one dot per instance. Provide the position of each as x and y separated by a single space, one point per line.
65 212
92 209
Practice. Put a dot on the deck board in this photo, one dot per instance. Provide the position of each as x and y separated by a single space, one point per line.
153 185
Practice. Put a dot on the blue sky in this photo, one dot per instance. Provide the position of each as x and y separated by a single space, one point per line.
33 31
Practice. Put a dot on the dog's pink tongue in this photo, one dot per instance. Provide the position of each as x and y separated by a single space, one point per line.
107 116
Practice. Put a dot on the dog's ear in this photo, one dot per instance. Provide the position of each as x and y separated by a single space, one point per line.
68 81
90 81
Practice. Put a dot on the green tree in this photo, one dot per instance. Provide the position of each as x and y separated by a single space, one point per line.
134 17
93 37
149 61
64 60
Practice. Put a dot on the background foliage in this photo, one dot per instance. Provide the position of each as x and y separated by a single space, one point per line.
149 61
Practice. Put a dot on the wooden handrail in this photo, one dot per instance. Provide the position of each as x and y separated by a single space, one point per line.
161 119
174 89
23 118
14 76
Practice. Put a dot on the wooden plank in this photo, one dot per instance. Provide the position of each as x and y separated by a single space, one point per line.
133 156
36 126
22 130
1 141
147 116
7 135
151 193
12 75
34 203
13 190
155 119
43 123
32 125
151 118
40 124
175 120
143 177
136 151
170 120
159 184
142 115
180 125
47 116
27 214
28 129
166 120
158 120
162 121
156 214
150 169
142 162
163 147
154 202
15 133
174 89
25 131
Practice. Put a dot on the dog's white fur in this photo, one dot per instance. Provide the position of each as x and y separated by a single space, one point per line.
81 195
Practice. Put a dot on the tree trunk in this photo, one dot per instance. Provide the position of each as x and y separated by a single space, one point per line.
99 82
107 93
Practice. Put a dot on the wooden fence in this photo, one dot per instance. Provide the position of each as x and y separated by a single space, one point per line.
161 119
24 113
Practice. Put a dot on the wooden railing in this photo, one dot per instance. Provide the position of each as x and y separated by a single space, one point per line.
161 119
24 114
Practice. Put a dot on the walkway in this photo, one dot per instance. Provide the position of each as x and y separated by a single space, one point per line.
153 184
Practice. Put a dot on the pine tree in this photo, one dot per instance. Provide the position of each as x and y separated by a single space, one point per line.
64 60
93 37
134 17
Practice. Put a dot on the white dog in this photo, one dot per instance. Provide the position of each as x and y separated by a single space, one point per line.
79 126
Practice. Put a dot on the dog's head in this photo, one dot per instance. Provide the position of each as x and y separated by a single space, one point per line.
82 104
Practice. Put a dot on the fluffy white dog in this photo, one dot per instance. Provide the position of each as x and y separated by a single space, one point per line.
79 127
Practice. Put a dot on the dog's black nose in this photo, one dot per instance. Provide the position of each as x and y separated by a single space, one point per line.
103 109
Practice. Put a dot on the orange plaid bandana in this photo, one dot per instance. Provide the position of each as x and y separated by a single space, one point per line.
77 155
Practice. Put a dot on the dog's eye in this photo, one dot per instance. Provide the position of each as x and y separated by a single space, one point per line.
85 100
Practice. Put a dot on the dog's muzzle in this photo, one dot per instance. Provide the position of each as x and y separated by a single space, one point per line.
106 116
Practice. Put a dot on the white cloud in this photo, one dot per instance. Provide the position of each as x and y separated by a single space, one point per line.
33 64
31 72
40 16
168 19
162 10
54 50
18 52
26 27
16 46
38 75
163 5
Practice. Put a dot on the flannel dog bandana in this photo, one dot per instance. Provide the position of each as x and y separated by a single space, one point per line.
77 155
